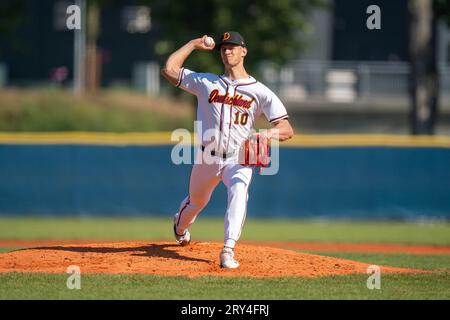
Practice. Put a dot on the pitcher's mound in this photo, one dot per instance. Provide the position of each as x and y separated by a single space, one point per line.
169 259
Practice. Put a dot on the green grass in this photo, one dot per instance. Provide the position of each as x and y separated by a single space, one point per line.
110 110
424 262
38 286
212 229
435 285
7 249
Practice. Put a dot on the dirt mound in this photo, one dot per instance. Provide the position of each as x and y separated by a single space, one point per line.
307 246
163 258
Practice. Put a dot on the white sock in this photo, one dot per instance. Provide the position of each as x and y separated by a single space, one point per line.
229 243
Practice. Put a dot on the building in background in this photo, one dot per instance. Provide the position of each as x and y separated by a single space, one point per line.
339 33
43 46
345 66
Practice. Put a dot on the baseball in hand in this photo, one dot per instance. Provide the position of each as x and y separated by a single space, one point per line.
209 42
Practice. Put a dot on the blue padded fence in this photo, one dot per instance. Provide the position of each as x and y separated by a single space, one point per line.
350 182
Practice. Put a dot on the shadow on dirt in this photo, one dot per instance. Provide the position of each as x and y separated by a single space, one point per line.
152 250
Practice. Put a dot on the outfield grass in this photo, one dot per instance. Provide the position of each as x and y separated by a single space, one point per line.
435 285
424 262
212 229
38 286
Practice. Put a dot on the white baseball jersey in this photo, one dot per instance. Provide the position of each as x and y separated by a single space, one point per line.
230 106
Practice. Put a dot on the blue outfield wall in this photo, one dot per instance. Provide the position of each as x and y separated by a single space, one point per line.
345 182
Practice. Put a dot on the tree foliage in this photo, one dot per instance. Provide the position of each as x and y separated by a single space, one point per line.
272 29
424 78
441 10
11 16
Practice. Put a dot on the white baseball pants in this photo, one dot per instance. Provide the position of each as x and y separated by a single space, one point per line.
203 180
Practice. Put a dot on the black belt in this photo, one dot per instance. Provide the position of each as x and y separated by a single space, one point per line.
223 155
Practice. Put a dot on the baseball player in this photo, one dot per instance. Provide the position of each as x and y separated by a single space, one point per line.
228 105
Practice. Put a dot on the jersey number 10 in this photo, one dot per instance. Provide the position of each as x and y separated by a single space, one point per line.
241 118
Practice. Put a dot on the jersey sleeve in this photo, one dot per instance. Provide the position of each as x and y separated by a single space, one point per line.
189 81
273 108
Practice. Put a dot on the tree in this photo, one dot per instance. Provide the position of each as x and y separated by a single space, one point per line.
11 16
272 29
93 56
441 9
424 77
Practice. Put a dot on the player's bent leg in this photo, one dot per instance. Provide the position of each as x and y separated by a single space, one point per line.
188 212
204 178
184 238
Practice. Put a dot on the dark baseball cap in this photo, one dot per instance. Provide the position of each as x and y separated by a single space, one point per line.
231 37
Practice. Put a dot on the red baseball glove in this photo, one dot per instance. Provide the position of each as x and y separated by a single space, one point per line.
255 151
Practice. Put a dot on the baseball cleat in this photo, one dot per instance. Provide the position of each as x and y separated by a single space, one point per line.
227 259
184 239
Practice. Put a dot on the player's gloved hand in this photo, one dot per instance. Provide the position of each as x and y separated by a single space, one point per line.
255 151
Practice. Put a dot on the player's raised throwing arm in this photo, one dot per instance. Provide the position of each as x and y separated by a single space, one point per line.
171 70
